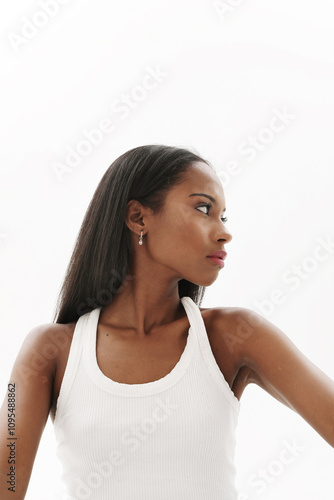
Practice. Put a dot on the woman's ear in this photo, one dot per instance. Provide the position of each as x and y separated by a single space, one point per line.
134 216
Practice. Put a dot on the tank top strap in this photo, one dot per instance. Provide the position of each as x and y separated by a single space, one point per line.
206 351
74 358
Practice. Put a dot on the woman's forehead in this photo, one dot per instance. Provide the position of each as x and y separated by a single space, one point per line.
200 178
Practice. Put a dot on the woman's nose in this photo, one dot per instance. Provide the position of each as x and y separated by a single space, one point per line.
226 235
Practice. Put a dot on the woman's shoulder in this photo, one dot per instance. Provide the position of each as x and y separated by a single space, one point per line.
50 337
225 327
230 326
232 315
45 345
50 343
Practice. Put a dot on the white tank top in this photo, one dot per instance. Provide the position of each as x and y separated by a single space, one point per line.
170 439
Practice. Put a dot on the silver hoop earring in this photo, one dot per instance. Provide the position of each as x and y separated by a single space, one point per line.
141 238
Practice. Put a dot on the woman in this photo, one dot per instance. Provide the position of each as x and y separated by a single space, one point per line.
143 385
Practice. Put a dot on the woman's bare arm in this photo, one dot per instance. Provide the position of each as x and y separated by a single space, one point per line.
25 411
277 366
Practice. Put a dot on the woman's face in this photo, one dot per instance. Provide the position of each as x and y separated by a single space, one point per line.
190 228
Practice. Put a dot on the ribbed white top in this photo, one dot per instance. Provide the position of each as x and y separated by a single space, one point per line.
171 439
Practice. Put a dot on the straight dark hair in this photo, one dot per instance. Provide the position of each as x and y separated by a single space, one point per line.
103 248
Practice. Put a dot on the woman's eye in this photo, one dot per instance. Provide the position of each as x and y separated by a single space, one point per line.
208 206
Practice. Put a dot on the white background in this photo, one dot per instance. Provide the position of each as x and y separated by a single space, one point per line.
227 71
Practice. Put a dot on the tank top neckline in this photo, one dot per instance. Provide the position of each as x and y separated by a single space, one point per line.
137 390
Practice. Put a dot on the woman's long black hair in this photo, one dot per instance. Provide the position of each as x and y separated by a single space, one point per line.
103 249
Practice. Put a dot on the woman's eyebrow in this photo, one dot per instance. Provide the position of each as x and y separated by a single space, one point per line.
207 195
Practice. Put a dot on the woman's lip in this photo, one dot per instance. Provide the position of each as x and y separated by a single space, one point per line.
219 255
217 260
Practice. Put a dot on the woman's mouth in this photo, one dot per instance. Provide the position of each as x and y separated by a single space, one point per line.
217 260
